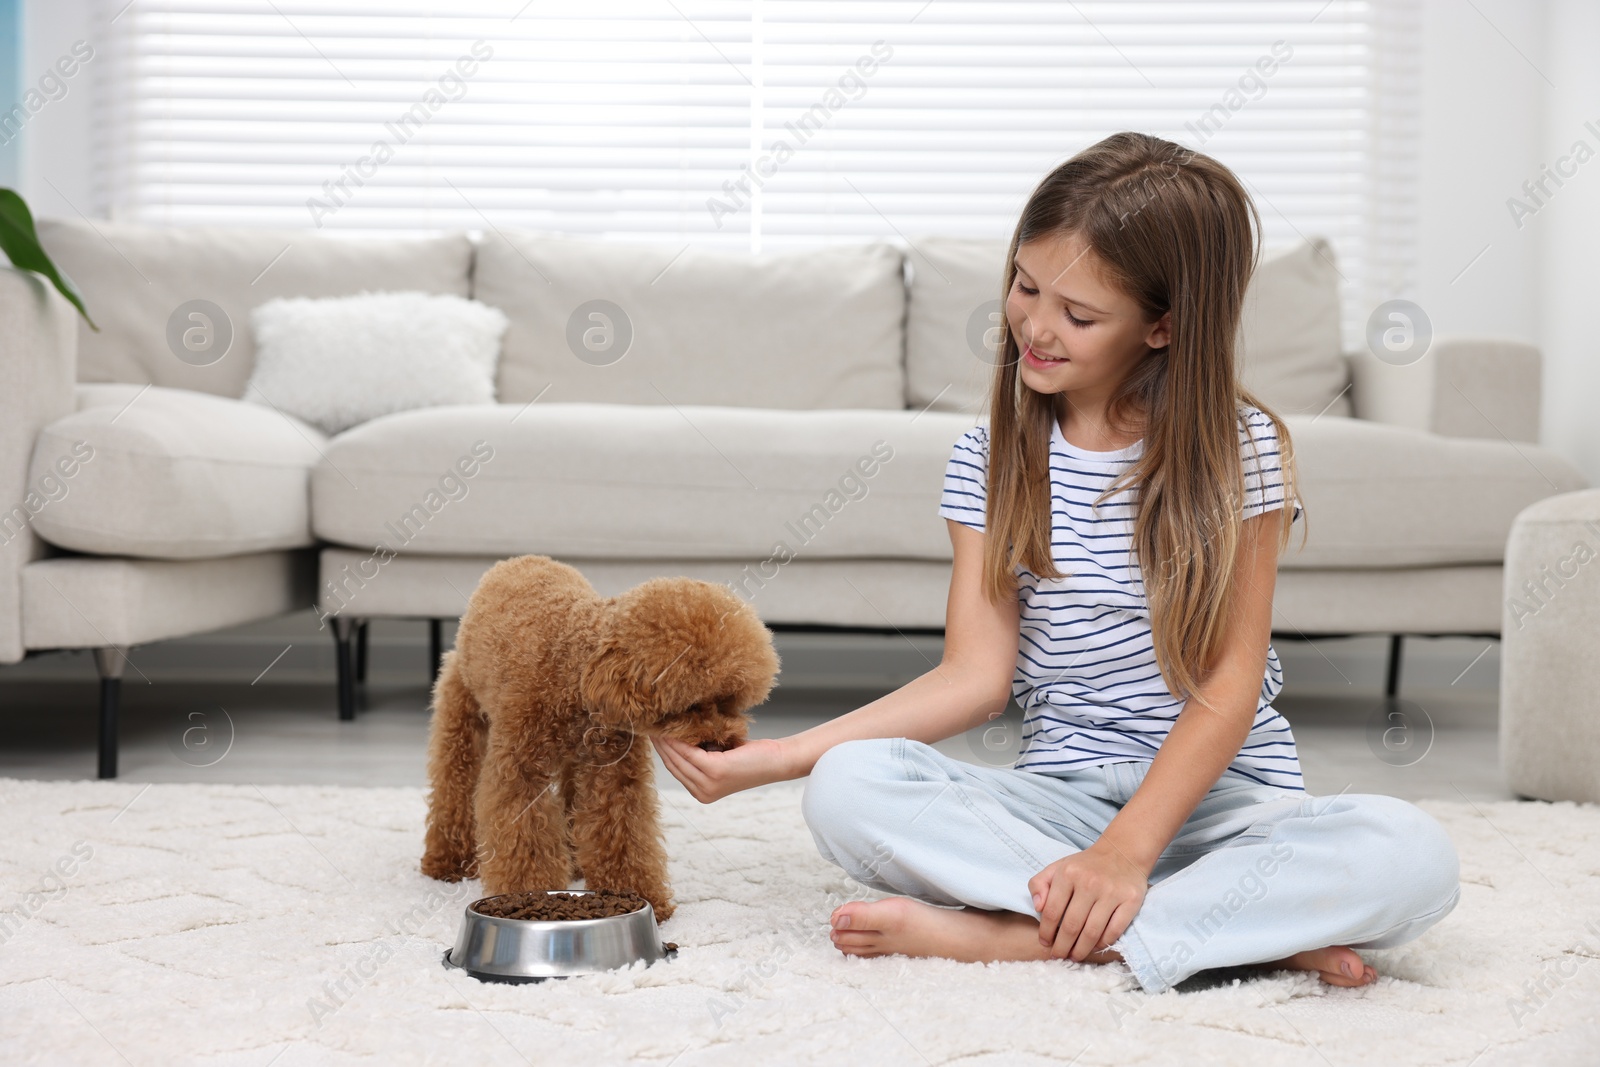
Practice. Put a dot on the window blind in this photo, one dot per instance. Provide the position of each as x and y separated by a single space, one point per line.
756 124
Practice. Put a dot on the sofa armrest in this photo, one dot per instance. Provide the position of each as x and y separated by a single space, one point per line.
38 364
1462 387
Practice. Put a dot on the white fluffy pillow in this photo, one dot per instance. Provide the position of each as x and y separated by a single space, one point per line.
340 361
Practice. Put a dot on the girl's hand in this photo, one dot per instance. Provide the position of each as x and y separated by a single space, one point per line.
1086 900
713 775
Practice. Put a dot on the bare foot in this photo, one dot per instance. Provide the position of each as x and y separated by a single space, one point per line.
1330 964
911 928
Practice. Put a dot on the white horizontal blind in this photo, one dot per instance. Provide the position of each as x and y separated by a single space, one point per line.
1395 135
749 123
601 117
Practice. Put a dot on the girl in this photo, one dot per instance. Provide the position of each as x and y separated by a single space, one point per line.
1115 528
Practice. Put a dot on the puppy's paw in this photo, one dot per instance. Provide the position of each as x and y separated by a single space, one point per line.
444 868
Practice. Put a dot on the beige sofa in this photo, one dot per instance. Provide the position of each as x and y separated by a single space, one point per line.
781 423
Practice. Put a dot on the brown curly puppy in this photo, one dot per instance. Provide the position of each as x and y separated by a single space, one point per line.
538 758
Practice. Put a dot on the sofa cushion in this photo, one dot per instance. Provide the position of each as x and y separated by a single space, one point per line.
1289 341
1289 346
135 279
101 394
954 306
340 361
1390 496
628 323
607 481
598 481
174 474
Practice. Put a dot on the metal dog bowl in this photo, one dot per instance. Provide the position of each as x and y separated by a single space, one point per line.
530 950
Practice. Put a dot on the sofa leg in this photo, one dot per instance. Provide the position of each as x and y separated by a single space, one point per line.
108 662
1391 683
435 648
361 651
344 659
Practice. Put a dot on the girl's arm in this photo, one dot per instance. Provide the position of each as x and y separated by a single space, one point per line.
970 686
1202 743
1087 900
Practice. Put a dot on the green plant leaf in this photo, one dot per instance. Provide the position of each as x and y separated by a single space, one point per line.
19 242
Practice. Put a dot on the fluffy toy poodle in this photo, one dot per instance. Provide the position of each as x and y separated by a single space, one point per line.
538 758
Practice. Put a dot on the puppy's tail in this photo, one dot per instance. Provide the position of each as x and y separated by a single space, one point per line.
455 752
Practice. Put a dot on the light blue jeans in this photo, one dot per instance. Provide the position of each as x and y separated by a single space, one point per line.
1257 873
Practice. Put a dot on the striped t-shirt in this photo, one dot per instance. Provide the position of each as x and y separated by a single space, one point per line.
1087 679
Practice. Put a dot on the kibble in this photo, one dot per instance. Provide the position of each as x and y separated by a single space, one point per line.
545 907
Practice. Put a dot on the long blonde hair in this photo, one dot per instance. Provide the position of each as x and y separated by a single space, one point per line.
1177 232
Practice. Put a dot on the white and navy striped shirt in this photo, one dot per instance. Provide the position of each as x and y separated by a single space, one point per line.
1087 679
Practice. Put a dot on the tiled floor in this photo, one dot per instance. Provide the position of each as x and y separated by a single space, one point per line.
283 728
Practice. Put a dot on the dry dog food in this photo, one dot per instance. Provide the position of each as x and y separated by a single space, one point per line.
542 907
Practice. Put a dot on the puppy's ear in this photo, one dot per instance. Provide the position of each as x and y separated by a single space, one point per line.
610 689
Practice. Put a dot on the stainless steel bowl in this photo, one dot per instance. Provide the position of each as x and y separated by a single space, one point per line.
528 950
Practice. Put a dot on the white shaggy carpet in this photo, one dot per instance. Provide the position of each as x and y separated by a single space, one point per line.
289 925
